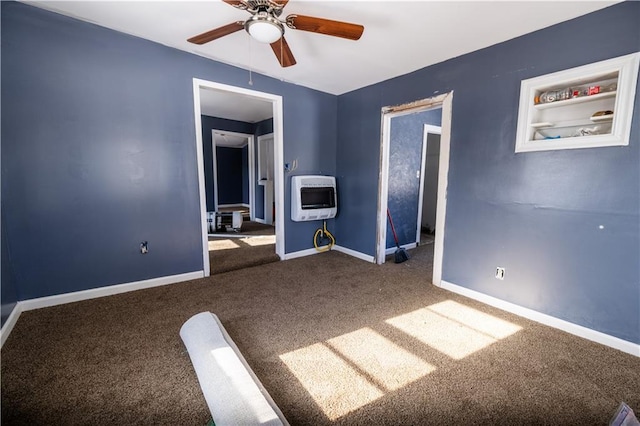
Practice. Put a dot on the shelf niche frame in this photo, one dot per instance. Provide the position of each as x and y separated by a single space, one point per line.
626 69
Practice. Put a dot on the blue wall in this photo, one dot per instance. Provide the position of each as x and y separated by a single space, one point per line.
537 214
230 183
405 158
315 153
99 152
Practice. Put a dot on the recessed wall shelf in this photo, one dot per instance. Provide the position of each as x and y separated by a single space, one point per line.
584 107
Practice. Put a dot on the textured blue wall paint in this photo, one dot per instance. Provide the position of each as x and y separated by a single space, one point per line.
405 159
230 176
216 123
315 152
537 214
99 151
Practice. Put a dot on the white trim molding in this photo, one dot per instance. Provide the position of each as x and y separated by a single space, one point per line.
278 139
569 327
10 323
356 254
302 253
77 296
201 185
445 102
323 249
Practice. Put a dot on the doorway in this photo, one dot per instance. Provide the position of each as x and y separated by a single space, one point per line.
428 197
232 155
240 94
407 191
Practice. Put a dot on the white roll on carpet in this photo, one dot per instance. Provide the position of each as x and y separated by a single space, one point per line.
233 393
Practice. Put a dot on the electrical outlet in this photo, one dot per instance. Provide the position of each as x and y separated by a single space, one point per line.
144 247
500 273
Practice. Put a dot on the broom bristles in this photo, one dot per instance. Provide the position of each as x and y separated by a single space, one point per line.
401 255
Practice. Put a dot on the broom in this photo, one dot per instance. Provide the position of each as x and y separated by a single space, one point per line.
401 254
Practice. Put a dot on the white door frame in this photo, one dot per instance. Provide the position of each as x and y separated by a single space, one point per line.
433 130
444 101
250 138
268 216
278 167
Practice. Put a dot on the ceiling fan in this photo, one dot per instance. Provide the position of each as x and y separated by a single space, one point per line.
265 27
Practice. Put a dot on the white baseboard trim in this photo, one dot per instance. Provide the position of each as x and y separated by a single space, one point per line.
569 327
302 253
257 219
312 251
354 253
392 250
76 296
10 323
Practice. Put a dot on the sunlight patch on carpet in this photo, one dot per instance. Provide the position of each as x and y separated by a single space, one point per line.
334 385
225 244
453 329
262 240
389 365
472 318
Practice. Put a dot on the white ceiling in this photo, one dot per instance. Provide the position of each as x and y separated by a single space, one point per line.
234 106
399 36
229 139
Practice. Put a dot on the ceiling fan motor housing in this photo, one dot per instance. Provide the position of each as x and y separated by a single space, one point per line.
255 6
264 27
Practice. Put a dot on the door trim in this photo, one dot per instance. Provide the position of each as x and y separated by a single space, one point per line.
268 217
444 101
278 167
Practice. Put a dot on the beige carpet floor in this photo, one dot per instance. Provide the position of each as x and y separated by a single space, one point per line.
335 340
254 245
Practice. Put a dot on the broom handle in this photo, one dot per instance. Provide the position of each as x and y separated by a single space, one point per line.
393 229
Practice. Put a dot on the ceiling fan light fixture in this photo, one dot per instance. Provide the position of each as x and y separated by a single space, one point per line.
264 28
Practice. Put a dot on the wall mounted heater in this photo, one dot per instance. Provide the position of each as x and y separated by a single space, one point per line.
313 197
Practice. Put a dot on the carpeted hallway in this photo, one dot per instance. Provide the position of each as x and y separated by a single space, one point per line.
335 340
254 245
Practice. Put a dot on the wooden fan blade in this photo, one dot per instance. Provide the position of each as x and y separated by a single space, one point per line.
283 53
282 3
216 33
325 26
234 3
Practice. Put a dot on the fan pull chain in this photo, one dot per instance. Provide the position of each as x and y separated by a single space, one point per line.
250 62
